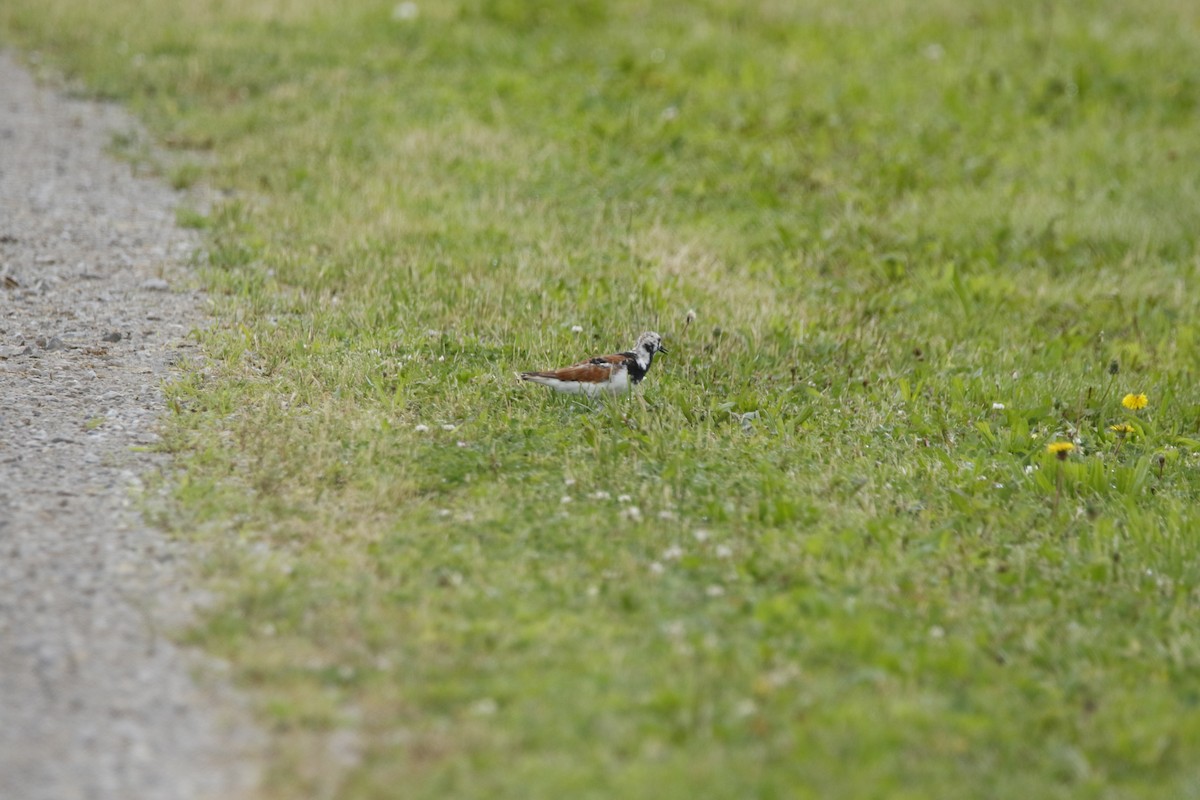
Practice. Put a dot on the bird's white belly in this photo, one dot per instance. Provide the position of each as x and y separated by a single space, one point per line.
618 383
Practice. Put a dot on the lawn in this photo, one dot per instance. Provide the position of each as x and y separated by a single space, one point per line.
828 554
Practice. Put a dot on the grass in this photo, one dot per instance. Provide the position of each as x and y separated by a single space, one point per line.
831 556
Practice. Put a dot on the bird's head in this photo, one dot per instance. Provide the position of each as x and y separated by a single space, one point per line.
650 342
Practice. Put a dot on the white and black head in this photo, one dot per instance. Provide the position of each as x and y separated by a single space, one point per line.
647 345
650 342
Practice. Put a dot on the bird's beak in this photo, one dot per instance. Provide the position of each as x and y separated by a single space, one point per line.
662 349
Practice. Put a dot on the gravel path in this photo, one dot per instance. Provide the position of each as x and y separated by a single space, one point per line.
95 306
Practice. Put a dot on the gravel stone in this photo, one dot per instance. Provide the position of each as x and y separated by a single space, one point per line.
96 701
156 285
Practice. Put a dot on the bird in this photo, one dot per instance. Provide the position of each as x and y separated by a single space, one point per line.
612 374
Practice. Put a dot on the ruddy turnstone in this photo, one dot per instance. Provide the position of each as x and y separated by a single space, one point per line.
603 374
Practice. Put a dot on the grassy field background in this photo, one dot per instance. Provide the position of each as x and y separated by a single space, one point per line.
830 555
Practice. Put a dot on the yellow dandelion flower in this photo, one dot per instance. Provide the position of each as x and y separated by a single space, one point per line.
1060 449
1123 429
1134 402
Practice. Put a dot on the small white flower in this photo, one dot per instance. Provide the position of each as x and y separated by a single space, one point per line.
443 512
715 590
447 427
485 707
667 515
997 406
421 428
441 358
723 551
674 628
600 495
656 568
576 329
569 481
997 485
672 553
700 535
623 498
937 632
632 512
1029 469
462 444
405 12
564 499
